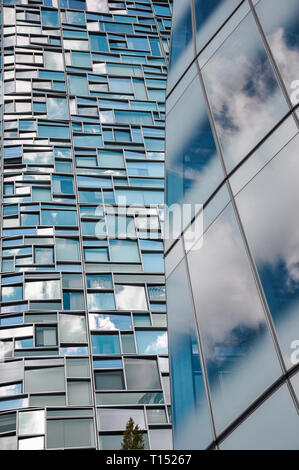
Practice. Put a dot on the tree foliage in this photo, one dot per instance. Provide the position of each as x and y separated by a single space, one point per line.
133 437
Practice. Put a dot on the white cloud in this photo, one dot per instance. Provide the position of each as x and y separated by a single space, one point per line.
97 6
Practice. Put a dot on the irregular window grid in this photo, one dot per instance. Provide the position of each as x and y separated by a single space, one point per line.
83 125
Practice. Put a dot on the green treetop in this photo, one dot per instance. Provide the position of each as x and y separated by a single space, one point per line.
133 437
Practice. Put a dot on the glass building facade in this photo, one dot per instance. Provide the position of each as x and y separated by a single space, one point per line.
232 145
83 340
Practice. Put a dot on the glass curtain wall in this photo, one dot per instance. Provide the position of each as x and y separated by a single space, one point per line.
83 338
233 294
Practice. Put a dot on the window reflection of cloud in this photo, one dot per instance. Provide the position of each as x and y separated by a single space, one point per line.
102 323
57 108
10 389
53 60
273 232
74 326
281 28
131 298
97 5
42 290
223 252
231 319
193 165
158 346
74 351
286 57
247 102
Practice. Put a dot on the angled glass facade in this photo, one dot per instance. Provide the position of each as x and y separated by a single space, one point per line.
83 339
232 145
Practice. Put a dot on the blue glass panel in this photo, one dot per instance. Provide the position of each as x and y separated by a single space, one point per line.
12 293
59 217
50 18
107 364
99 281
182 31
153 262
151 342
110 322
77 85
98 42
101 301
105 344
53 131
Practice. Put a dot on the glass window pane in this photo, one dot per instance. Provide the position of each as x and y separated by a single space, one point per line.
194 168
235 339
110 322
240 72
8 422
117 418
111 441
57 108
43 255
190 405
32 443
128 343
273 244
53 60
46 336
67 249
72 328
210 15
98 42
267 427
160 439
182 51
77 367
49 17
281 29
79 393
103 301
73 301
99 281
142 374
124 251
48 379
152 342
63 433
46 290
31 422
8 443
130 297
77 85
109 380
105 344
156 415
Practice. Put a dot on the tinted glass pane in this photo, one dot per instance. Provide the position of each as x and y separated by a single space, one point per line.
274 244
282 30
263 429
109 380
152 342
240 72
70 433
117 418
193 167
190 405
45 379
105 344
237 346
142 374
